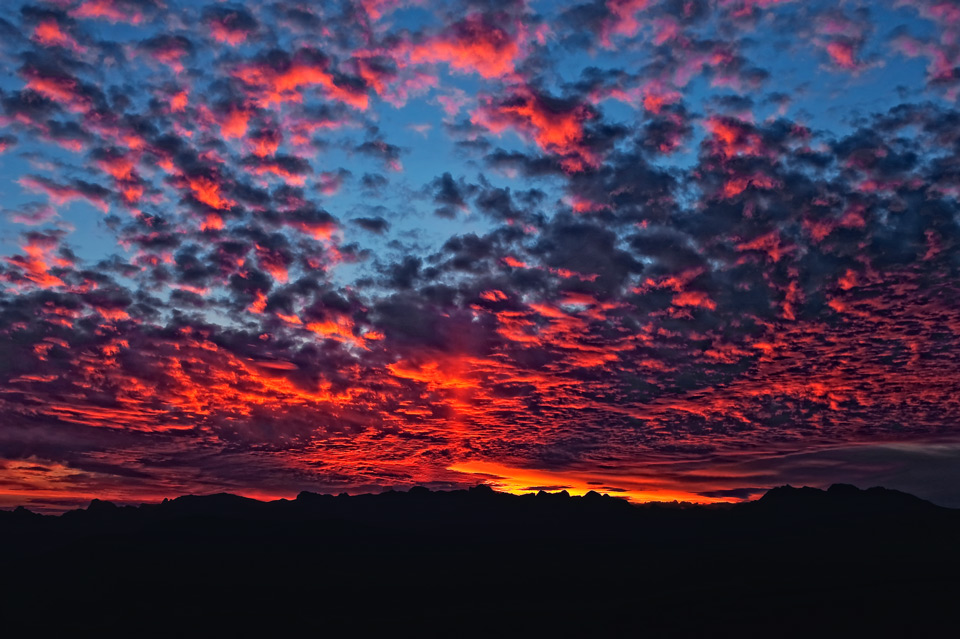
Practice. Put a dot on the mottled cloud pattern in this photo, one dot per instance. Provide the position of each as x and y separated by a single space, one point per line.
670 249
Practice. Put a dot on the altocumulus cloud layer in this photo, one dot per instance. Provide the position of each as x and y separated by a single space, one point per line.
673 249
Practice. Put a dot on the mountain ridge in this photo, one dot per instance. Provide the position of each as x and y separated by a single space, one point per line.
785 496
476 562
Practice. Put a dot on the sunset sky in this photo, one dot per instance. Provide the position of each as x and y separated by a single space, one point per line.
678 249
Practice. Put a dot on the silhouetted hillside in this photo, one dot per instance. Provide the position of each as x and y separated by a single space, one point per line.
844 498
475 562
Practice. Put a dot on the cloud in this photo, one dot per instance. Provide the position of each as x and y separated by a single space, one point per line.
475 44
664 247
373 224
230 25
278 77
64 193
32 213
555 125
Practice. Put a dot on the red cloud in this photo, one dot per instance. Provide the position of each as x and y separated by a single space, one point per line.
179 100
32 214
39 259
695 299
168 50
49 34
230 26
208 190
280 170
741 8
282 79
555 126
623 19
472 45
58 87
377 8
233 123
264 142
732 137
62 193
111 10
272 262
843 54
122 168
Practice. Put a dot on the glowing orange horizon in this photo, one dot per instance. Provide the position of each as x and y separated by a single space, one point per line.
520 481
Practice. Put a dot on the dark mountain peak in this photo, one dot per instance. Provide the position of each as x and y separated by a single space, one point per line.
453 548
546 494
214 498
19 515
99 505
788 492
843 489
217 504
420 502
841 498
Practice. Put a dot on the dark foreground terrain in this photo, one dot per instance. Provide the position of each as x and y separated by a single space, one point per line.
798 562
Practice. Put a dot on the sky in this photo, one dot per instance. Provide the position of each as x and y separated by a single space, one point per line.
663 249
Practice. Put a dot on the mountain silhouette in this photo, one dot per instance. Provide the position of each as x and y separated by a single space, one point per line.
845 498
477 562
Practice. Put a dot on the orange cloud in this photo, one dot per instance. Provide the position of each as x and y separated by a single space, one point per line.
207 191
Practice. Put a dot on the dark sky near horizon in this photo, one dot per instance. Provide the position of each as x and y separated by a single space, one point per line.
670 249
